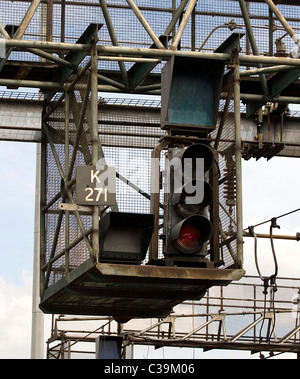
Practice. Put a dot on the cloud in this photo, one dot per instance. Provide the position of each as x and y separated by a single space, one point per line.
15 318
271 189
17 168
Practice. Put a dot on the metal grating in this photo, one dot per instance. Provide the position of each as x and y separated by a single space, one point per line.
225 145
214 22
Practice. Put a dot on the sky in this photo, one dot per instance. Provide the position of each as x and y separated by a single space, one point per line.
17 187
269 190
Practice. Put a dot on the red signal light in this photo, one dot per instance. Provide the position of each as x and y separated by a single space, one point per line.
189 238
189 235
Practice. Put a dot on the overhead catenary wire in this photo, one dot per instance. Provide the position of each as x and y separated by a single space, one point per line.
269 281
270 220
272 278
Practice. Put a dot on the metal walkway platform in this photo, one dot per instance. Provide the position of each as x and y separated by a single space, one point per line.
130 291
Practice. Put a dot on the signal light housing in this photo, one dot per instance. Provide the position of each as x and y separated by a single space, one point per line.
189 225
191 89
125 237
184 209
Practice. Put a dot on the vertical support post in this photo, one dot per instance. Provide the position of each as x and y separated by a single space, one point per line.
95 141
50 21
238 158
37 322
154 200
172 26
193 32
214 213
44 19
271 31
43 201
63 21
67 165
254 309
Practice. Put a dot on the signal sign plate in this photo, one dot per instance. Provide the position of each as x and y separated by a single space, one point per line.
95 186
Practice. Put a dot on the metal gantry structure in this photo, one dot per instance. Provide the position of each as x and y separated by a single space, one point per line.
238 317
73 53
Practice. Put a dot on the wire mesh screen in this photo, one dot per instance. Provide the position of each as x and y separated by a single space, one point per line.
211 24
122 127
65 230
125 137
132 165
224 136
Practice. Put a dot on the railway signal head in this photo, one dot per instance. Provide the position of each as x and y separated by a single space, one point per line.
188 227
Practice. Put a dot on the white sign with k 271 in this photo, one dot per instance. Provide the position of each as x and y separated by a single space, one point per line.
95 186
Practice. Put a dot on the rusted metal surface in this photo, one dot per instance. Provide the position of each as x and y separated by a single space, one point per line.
169 272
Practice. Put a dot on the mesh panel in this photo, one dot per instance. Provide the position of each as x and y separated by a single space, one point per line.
225 145
56 156
213 21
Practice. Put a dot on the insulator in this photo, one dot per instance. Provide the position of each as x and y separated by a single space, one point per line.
230 184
